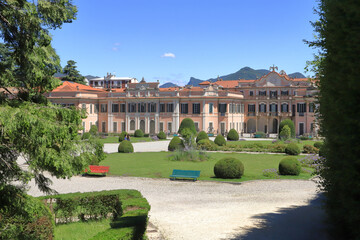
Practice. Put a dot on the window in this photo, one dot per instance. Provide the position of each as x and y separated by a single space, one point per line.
161 127
196 126
311 107
273 94
123 107
262 107
232 108
184 108
170 126
285 93
211 127
211 107
132 125
196 108
103 107
262 93
251 108
132 107
83 106
242 108
251 93
301 107
222 108
238 108
123 126
115 108
91 108
114 126
96 108
152 107
273 107
284 107
162 107
170 107
103 127
141 107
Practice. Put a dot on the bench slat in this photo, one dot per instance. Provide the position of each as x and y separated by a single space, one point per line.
185 174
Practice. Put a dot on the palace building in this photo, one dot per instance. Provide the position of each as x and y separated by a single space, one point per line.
247 106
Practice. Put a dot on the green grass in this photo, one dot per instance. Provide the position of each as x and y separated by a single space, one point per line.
265 142
157 165
115 139
80 230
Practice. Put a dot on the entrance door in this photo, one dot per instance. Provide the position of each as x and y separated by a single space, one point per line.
142 125
275 126
301 128
152 127
222 128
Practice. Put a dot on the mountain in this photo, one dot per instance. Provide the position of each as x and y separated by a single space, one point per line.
90 77
246 73
168 84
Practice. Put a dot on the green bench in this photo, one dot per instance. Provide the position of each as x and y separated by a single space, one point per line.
185 174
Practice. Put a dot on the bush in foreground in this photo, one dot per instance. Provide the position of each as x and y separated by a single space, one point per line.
139 133
187 123
310 149
122 136
292 149
86 135
233 135
93 130
125 147
220 140
289 166
161 135
201 136
175 143
229 168
318 145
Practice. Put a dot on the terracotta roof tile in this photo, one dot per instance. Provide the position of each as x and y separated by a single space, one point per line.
75 87
205 83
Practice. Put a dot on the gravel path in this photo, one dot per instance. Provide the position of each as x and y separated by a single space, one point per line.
212 210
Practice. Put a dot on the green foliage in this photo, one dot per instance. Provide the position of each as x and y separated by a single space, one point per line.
292 149
310 149
285 133
192 155
93 130
277 148
201 136
86 135
161 135
233 135
72 74
188 139
318 145
175 143
220 140
122 136
138 133
187 123
229 168
289 166
290 124
206 144
125 147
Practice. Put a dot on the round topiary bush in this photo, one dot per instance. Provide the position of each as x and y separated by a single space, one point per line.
175 143
292 149
290 124
289 166
125 147
318 145
161 135
86 135
122 136
233 135
229 168
187 123
285 133
220 140
139 133
201 136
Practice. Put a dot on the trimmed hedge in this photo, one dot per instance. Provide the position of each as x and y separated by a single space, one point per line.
289 166
125 147
122 136
310 149
229 168
138 133
187 123
292 149
318 145
175 143
206 144
161 135
290 124
233 135
220 140
201 136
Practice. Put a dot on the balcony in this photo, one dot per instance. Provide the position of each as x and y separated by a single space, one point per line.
274 97
262 114
285 114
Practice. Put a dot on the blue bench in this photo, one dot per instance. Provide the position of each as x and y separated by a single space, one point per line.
185 174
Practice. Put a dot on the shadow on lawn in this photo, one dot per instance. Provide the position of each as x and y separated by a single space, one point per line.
304 222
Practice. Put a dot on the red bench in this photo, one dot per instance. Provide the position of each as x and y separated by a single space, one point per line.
97 169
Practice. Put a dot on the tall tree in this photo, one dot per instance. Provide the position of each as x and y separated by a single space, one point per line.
337 65
72 74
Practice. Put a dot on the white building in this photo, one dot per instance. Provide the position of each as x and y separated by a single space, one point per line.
111 81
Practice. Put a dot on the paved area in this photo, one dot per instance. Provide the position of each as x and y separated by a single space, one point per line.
156 146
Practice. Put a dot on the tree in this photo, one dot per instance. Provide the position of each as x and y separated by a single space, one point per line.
72 74
290 124
187 123
338 42
285 133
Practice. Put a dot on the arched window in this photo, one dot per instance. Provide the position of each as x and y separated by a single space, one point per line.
284 107
132 125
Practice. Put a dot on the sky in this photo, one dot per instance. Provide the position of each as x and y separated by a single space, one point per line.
173 40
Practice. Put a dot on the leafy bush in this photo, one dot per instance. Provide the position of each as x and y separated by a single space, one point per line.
190 155
220 140
187 123
138 133
229 168
93 130
277 147
292 149
260 135
86 135
233 135
310 149
122 136
271 173
285 133
125 147
318 145
289 166
201 136
207 144
290 124
304 138
175 143
161 135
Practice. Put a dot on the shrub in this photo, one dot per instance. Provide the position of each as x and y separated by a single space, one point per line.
201 136
190 155
318 145
86 135
233 135
220 140
271 173
138 133
187 123
207 144
310 149
304 138
229 168
122 136
260 135
93 130
125 147
161 135
292 149
277 147
290 124
289 166
285 133
175 143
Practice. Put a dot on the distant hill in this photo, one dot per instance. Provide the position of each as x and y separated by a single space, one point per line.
246 73
168 84
90 76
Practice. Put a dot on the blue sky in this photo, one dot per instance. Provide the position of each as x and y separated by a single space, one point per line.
173 40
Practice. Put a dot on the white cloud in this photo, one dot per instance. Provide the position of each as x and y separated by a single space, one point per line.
168 55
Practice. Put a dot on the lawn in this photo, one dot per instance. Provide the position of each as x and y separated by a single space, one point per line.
115 139
266 142
157 165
